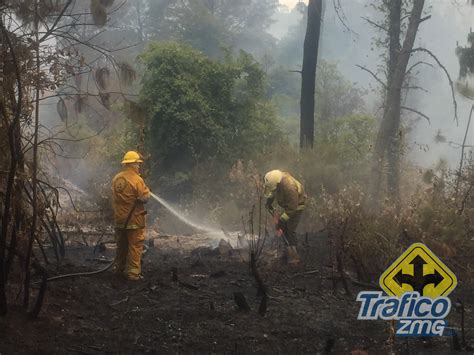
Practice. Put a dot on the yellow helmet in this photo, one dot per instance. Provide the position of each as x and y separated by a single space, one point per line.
270 182
131 157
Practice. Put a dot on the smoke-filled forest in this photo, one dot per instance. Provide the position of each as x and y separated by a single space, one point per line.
237 176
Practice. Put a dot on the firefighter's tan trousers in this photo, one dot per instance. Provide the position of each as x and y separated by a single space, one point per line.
290 234
129 251
290 230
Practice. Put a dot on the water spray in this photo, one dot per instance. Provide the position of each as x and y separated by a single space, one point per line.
183 218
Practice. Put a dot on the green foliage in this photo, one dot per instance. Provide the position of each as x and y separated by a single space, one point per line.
341 154
283 82
335 96
108 147
200 109
212 25
349 137
202 30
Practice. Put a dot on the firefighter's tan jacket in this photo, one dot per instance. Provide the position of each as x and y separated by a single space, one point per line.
290 196
129 194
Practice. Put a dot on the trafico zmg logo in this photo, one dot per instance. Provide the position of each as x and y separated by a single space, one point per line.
417 285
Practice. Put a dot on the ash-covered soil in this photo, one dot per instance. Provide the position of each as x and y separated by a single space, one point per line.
197 313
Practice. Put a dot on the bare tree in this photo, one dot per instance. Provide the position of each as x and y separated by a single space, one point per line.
34 69
393 102
387 150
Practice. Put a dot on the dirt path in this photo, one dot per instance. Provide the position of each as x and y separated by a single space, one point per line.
105 314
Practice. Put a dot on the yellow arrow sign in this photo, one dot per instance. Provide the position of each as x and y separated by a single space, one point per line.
418 269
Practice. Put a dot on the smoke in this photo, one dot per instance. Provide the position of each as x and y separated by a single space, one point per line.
351 43
449 24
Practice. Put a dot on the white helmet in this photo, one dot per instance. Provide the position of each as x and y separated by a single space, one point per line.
270 182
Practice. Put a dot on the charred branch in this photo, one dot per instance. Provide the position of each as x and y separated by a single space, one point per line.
417 64
451 84
463 146
417 112
376 25
342 16
373 75
58 18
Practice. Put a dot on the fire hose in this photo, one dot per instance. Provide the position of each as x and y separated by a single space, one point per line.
90 273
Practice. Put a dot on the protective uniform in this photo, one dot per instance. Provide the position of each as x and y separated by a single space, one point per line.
289 194
129 195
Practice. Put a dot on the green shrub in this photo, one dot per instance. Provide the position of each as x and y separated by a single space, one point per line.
202 110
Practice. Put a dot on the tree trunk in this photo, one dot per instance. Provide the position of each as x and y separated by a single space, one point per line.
395 10
11 121
393 150
395 13
389 137
308 73
141 31
34 182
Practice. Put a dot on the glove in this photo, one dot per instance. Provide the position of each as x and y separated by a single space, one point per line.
270 209
142 200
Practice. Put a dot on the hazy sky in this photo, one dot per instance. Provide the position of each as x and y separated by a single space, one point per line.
290 3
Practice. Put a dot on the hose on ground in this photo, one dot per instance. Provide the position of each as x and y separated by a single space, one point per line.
86 273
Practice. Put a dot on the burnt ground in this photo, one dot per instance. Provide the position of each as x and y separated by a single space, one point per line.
305 314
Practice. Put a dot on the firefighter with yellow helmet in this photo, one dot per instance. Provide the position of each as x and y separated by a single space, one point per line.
290 196
130 193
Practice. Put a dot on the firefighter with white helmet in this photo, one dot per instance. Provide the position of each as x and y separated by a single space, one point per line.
290 196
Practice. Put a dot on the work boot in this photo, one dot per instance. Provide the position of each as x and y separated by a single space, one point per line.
293 256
